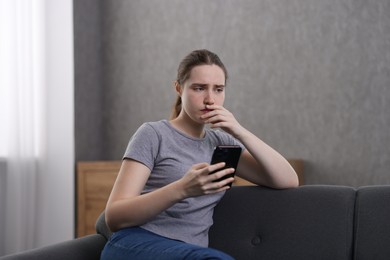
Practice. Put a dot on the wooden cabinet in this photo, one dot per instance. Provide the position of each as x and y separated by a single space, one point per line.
94 183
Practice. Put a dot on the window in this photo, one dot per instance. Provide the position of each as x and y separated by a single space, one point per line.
21 70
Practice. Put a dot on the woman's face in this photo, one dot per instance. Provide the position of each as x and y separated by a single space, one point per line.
205 86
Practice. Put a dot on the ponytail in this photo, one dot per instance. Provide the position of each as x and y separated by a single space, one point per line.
176 108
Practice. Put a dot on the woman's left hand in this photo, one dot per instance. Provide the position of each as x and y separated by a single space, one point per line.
259 163
222 118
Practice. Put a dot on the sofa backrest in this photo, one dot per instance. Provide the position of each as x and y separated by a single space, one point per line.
309 222
372 223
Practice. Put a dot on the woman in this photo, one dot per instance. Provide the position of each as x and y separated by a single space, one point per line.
162 202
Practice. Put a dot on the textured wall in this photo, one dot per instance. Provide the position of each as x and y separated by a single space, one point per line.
311 78
88 51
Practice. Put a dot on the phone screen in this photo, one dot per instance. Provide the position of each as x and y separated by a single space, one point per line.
230 155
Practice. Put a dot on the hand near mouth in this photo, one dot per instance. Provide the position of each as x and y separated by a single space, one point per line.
220 117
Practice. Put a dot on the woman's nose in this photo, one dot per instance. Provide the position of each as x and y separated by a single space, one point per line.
209 99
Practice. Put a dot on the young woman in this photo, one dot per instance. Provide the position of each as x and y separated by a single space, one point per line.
162 203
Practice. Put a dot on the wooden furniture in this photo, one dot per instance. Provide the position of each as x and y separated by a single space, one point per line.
94 183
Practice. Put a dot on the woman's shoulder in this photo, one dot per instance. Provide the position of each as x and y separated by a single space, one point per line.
155 128
152 125
155 125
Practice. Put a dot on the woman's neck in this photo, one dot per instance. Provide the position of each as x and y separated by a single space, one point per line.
187 125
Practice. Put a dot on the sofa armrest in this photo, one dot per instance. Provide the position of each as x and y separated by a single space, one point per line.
88 247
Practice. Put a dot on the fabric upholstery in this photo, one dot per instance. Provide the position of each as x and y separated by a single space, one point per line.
101 227
308 222
87 248
372 223
304 223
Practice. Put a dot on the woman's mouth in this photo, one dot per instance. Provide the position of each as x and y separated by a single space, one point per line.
206 110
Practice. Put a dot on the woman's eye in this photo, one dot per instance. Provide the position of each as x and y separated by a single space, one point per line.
220 89
198 88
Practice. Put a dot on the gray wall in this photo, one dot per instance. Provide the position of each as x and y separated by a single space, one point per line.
311 78
88 50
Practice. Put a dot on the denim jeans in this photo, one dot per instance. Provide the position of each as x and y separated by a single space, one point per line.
138 243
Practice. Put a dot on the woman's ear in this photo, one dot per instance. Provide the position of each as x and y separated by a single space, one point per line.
178 88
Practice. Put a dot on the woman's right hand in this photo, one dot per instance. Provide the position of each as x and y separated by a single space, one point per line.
126 207
198 180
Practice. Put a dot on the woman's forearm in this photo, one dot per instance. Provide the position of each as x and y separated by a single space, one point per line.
138 210
271 168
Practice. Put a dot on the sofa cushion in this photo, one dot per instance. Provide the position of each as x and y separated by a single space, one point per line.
372 223
84 248
101 226
308 222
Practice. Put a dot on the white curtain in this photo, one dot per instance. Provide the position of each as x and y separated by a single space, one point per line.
36 124
22 101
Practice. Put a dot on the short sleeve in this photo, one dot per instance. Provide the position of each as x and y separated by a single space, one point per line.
143 146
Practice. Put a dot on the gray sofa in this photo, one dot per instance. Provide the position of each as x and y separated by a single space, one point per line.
308 222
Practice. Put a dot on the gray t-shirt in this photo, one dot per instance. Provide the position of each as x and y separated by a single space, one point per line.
169 154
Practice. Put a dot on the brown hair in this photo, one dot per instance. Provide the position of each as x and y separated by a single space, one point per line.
195 58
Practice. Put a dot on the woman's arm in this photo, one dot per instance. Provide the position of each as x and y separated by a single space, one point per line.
262 165
126 206
259 163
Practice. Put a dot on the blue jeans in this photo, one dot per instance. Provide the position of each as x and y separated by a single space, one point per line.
138 243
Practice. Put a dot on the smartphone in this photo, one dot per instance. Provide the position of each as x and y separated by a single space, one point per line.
230 155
